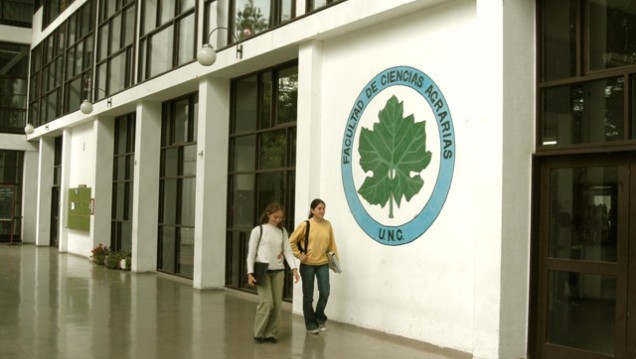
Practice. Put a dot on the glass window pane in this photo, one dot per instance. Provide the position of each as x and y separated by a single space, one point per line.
266 100
181 118
287 95
583 212
150 16
117 73
186 252
592 112
558 39
167 11
272 149
582 306
242 208
168 248
612 33
271 188
171 162
74 93
190 160
119 200
186 40
168 205
244 152
102 50
129 25
252 16
186 5
188 196
245 108
102 75
115 34
161 51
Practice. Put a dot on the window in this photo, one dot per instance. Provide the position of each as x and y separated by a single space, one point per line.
52 9
11 164
123 167
587 69
115 47
14 62
61 67
262 158
168 36
177 185
318 4
18 13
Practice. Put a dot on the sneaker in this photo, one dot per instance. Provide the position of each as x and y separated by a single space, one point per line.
270 340
322 327
313 331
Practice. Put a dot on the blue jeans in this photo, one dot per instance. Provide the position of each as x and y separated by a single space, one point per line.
314 318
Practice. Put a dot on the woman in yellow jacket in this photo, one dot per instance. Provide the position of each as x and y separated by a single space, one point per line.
314 263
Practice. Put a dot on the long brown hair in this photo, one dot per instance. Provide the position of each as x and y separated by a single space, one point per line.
271 208
315 204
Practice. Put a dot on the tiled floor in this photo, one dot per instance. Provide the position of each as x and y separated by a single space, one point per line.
62 306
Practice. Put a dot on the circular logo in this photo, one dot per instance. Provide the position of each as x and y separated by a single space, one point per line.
387 171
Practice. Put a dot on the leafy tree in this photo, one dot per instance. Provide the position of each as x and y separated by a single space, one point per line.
250 20
395 152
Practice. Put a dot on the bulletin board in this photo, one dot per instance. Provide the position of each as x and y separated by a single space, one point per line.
80 208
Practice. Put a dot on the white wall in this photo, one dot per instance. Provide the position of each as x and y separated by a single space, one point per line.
445 287
81 171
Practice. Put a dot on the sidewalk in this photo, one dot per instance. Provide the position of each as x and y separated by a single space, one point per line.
62 306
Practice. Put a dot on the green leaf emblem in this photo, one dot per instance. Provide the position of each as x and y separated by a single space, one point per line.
395 152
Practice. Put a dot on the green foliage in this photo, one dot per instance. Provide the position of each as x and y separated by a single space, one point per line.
250 20
113 259
395 152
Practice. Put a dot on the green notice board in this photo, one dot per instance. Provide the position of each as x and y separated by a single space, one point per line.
79 208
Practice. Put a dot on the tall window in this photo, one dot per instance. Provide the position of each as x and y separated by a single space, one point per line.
168 36
123 165
61 67
11 164
115 47
318 4
18 13
51 9
14 62
177 185
587 71
262 158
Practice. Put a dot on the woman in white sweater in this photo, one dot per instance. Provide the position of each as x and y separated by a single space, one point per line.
269 244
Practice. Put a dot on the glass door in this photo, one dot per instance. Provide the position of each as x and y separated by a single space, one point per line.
583 276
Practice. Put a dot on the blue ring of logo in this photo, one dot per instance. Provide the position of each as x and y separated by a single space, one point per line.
420 82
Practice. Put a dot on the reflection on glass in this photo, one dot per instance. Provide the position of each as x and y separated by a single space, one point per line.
188 198
186 39
161 51
169 206
583 213
588 113
266 100
190 160
612 33
272 149
171 162
558 39
287 95
168 249
252 17
581 311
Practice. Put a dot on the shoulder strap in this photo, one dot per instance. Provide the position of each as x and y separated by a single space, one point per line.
260 234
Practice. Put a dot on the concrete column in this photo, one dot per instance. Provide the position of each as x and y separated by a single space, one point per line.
30 194
44 184
103 129
309 136
65 175
146 186
211 183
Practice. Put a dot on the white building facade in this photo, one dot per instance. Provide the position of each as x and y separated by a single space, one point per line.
418 122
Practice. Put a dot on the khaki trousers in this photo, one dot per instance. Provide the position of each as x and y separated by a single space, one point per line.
270 296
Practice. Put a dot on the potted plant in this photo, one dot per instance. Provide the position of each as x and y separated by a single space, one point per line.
99 254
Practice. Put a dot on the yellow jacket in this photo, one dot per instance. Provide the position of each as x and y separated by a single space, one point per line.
321 241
